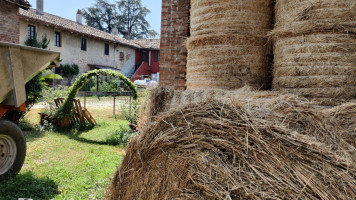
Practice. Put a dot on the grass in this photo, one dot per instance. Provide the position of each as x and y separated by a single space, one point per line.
65 165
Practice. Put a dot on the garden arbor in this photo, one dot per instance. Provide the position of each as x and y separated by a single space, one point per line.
67 106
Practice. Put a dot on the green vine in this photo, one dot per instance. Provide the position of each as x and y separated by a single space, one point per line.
67 106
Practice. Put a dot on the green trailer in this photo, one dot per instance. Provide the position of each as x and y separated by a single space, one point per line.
18 65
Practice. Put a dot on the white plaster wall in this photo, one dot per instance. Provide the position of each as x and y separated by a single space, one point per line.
71 52
129 63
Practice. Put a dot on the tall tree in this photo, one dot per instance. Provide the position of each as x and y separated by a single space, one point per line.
102 15
128 16
132 23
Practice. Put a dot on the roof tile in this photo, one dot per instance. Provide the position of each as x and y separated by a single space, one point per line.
73 26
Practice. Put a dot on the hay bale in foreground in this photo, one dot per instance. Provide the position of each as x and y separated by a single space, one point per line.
345 115
315 51
330 126
215 150
228 44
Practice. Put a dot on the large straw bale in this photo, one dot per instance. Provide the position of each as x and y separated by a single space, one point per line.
296 17
331 126
259 146
315 49
210 17
228 46
345 115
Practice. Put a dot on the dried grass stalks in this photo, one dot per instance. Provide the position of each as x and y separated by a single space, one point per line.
228 46
239 145
315 49
314 16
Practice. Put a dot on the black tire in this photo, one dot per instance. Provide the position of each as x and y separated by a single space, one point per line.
12 141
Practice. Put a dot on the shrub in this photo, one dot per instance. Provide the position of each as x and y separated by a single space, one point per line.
49 95
33 42
121 136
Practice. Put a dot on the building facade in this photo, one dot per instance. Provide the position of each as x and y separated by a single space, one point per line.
80 44
147 60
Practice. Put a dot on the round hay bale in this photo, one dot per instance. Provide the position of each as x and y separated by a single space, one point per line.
330 126
216 151
210 17
228 46
315 49
345 115
310 16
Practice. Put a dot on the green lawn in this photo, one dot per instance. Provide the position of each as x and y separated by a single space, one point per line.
66 165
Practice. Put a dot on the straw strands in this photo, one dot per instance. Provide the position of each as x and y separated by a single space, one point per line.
258 146
228 47
308 16
315 49
210 17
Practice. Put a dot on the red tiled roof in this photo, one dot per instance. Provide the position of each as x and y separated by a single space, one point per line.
145 43
21 3
73 26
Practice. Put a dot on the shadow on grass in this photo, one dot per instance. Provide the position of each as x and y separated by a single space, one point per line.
88 141
27 186
33 135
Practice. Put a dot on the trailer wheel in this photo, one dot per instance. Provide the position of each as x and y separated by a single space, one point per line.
12 149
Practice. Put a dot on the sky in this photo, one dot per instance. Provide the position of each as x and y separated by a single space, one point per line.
68 9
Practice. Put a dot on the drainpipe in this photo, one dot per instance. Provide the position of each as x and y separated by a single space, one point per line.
149 59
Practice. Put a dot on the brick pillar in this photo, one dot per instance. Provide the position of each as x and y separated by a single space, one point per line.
174 32
9 23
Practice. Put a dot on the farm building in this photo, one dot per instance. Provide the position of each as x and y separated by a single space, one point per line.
147 60
83 45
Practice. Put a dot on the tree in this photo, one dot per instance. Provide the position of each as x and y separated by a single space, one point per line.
132 23
69 71
101 16
128 16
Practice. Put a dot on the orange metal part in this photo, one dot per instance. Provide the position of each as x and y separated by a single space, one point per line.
4 109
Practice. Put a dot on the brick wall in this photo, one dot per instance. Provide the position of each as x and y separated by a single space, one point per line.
174 31
9 23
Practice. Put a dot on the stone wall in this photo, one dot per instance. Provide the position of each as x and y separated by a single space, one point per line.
9 23
71 52
174 32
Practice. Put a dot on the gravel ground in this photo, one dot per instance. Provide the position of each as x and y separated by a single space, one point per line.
92 103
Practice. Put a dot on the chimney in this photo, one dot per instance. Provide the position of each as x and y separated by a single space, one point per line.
115 31
127 36
79 16
39 7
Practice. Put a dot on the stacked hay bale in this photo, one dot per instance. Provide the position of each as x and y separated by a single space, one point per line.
261 146
315 49
227 48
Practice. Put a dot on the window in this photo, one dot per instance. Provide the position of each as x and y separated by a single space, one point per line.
84 44
156 56
144 56
106 49
57 39
122 56
31 32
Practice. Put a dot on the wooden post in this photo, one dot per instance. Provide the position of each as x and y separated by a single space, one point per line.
130 105
97 83
85 99
114 106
